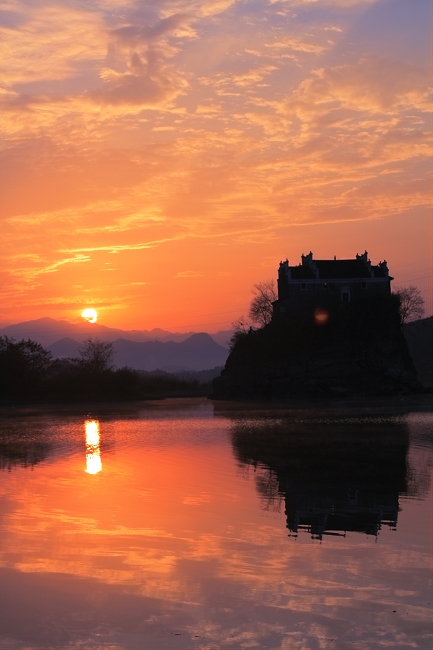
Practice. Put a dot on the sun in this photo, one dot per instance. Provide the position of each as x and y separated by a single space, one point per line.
90 315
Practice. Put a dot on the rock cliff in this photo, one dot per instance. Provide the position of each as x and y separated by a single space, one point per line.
359 349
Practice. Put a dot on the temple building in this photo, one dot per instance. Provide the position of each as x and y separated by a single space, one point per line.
329 283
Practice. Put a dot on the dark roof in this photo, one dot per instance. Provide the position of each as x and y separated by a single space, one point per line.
337 270
301 273
379 272
340 269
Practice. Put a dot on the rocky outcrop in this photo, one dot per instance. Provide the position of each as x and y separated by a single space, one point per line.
358 350
419 338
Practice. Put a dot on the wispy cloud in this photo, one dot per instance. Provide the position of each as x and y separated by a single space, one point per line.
201 134
189 274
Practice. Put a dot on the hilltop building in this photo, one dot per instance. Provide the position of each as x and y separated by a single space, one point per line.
328 283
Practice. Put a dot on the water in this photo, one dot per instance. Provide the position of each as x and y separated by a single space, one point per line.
181 524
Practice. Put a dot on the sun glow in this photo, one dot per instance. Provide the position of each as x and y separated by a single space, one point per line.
93 452
90 315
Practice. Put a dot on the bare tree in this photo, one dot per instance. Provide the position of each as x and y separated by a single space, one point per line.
96 355
411 303
261 308
240 328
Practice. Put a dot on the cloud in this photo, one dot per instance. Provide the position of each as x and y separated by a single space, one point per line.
198 8
275 126
30 274
359 113
371 84
189 274
148 79
145 83
50 43
119 247
126 68
297 45
133 35
251 77
323 3
161 128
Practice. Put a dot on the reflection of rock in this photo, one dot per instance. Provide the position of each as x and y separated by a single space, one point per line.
334 476
22 453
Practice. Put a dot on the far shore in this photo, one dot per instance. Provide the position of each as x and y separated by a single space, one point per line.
385 405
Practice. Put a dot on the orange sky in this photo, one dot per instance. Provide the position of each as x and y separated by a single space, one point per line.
161 156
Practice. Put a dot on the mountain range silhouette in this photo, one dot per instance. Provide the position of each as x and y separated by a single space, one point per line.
155 349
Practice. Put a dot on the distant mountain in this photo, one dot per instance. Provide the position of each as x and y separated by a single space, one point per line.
66 347
48 331
198 352
223 337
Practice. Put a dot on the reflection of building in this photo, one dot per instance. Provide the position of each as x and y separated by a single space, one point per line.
338 513
328 283
334 477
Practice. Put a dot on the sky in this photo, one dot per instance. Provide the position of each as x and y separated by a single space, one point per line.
160 157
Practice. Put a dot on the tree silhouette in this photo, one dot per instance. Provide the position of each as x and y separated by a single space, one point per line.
96 356
411 304
23 367
261 309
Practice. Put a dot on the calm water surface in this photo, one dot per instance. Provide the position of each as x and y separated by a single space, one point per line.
183 524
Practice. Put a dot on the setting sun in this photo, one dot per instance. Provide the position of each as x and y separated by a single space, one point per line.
90 315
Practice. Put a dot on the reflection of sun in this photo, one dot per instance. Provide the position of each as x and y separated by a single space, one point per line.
93 452
90 315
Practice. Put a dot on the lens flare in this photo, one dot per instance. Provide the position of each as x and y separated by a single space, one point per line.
90 315
321 316
93 452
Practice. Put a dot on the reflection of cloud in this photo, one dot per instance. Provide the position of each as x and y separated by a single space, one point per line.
164 573
196 499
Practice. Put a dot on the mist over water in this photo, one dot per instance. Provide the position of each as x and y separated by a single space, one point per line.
183 524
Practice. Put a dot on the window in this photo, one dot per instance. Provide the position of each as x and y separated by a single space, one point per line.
364 285
304 286
345 296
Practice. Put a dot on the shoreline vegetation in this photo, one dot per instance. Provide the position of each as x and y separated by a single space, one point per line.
29 375
358 351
